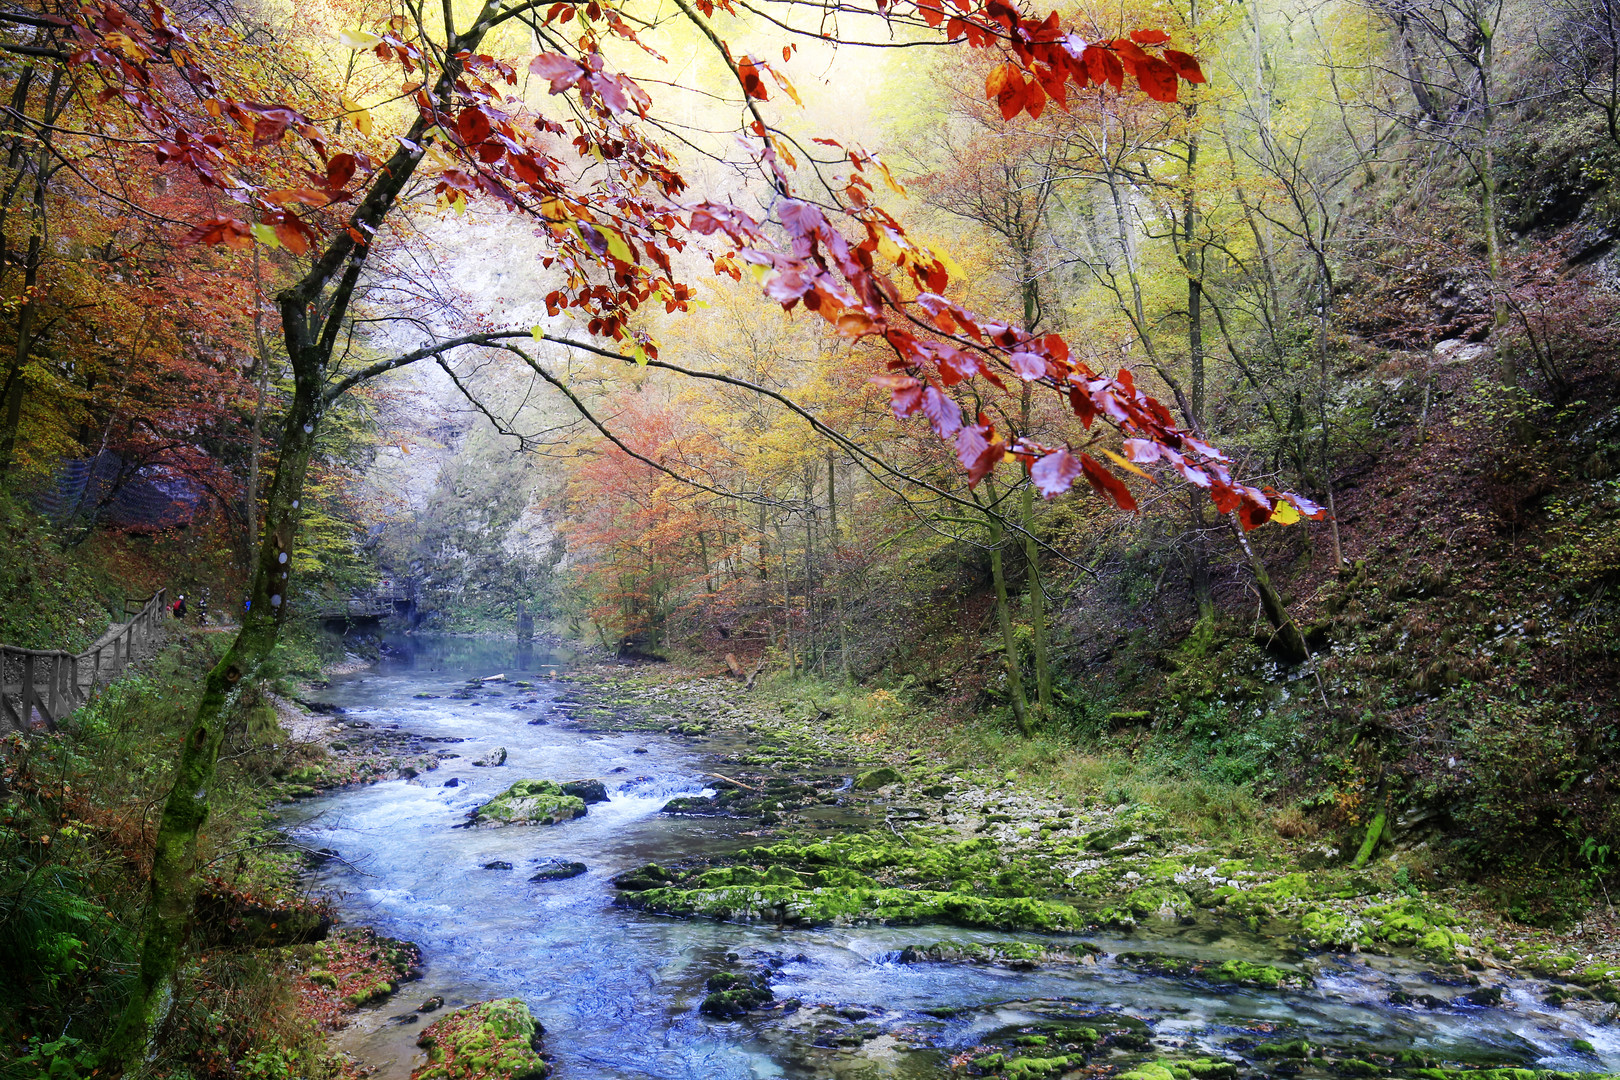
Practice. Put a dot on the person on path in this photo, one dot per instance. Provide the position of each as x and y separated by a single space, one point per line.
178 608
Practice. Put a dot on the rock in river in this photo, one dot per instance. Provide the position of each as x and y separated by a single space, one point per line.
496 756
529 802
557 869
592 791
493 1040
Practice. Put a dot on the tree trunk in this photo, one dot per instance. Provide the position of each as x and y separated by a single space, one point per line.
1286 633
838 580
172 889
1009 642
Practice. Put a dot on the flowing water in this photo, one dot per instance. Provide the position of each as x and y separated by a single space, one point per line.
618 990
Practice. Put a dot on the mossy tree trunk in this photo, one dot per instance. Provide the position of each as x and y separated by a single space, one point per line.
314 314
1009 641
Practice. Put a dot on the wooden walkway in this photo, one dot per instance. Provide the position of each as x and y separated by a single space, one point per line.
40 687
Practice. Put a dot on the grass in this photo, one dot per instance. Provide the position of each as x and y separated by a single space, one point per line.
1210 809
77 815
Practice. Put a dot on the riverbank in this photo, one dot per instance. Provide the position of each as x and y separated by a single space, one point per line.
835 884
1105 848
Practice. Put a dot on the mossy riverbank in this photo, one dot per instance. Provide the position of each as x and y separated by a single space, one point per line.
972 833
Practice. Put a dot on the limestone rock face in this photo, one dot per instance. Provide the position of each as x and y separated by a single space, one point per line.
493 1040
530 802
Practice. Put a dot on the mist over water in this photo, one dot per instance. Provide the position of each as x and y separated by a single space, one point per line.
618 990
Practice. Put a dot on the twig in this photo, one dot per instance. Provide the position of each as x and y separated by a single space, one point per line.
729 780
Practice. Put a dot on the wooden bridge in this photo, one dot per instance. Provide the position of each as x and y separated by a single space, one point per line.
38 687
373 607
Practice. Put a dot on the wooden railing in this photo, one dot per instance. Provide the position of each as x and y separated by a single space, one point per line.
41 686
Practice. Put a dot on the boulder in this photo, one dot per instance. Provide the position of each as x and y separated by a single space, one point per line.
496 756
591 791
529 802
557 869
493 1040
877 778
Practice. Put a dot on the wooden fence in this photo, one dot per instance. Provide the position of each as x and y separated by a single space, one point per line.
43 686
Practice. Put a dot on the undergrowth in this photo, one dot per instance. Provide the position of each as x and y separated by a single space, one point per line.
78 811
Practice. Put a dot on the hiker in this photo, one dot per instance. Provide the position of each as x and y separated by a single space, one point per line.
202 610
178 608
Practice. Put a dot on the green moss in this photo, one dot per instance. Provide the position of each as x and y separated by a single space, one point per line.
530 802
876 778
1229 972
493 1040
1016 953
788 905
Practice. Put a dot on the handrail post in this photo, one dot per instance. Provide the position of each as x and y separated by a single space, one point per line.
28 691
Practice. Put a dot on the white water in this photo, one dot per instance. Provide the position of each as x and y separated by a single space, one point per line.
618 991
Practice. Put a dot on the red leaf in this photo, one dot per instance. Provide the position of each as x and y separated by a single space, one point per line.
1157 78
954 364
1149 37
1254 512
472 125
1055 473
525 168
1226 499
1080 402
219 230
294 235
1104 67
1143 451
799 218
1106 483
608 89
943 413
339 171
1186 66
560 71
752 84
906 400
1027 366
267 130
1006 87
1034 99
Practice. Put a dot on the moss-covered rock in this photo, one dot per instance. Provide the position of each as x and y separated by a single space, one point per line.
493 1040
650 876
1006 953
808 905
732 994
1226 973
877 778
530 802
588 791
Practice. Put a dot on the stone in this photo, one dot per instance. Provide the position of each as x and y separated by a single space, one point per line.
431 1004
498 864
493 1040
591 791
452 782
557 869
731 995
496 756
529 802
877 778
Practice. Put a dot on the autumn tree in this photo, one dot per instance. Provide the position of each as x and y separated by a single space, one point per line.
592 173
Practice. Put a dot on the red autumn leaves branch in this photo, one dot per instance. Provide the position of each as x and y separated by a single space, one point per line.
613 232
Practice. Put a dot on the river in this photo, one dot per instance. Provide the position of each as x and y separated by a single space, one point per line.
618 990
